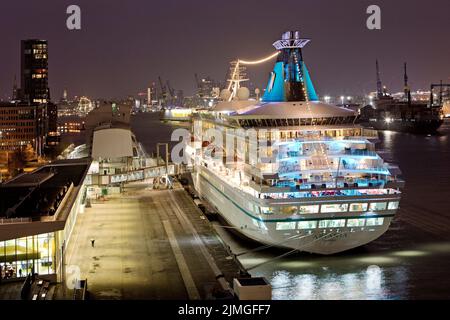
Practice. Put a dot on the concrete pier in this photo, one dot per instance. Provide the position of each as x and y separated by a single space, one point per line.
149 244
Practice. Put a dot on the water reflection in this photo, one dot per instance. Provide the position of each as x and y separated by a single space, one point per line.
366 284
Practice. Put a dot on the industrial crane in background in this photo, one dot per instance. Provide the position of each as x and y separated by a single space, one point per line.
442 94
163 93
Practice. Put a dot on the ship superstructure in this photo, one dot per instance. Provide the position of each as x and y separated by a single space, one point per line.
291 171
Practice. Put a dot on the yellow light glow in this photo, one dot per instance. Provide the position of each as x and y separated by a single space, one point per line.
273 55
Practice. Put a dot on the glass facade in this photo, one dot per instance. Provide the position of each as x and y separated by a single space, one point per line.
21 256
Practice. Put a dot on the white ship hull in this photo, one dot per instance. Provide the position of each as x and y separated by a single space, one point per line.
233 206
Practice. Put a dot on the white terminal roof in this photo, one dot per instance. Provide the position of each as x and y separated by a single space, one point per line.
295 109
112 143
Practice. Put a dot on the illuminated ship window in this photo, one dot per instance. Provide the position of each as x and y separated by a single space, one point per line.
267 210
358 207
288 210
377 206
374 222
393 205
356 222
332 223
285 225
307 224
326 208
309 209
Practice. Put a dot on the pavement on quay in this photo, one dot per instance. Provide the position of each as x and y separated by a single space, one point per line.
145 249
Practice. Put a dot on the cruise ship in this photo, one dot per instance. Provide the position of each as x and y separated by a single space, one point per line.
290 171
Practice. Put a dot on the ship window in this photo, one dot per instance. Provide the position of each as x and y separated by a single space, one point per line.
285 225
358 207
334 208
377 206
374 221
288 210
307 224
331 223
267 210
356 222
393 205
309 209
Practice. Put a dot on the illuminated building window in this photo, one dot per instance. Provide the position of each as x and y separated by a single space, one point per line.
393 205
285 225
358 207
307 224
377 206
326 208
19 257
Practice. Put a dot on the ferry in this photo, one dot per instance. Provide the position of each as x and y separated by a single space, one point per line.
316 185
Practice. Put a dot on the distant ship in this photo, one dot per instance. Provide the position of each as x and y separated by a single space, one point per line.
324 189
401 115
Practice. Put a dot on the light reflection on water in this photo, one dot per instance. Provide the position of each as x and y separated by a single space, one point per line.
366 284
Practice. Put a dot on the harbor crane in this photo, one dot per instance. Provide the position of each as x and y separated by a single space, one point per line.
441 86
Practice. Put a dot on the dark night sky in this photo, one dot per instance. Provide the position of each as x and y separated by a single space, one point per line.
124 45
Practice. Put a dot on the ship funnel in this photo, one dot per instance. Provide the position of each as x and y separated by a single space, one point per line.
290 80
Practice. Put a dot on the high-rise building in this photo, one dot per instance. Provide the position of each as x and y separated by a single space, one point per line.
34 71
30 119
34 84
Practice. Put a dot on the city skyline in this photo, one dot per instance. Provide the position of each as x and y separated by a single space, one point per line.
117 51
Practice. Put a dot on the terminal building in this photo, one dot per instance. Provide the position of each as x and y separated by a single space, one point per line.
38 211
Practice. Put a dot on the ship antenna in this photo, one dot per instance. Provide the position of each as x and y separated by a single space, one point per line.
379 85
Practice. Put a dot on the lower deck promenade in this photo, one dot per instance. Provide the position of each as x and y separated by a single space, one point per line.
149 244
